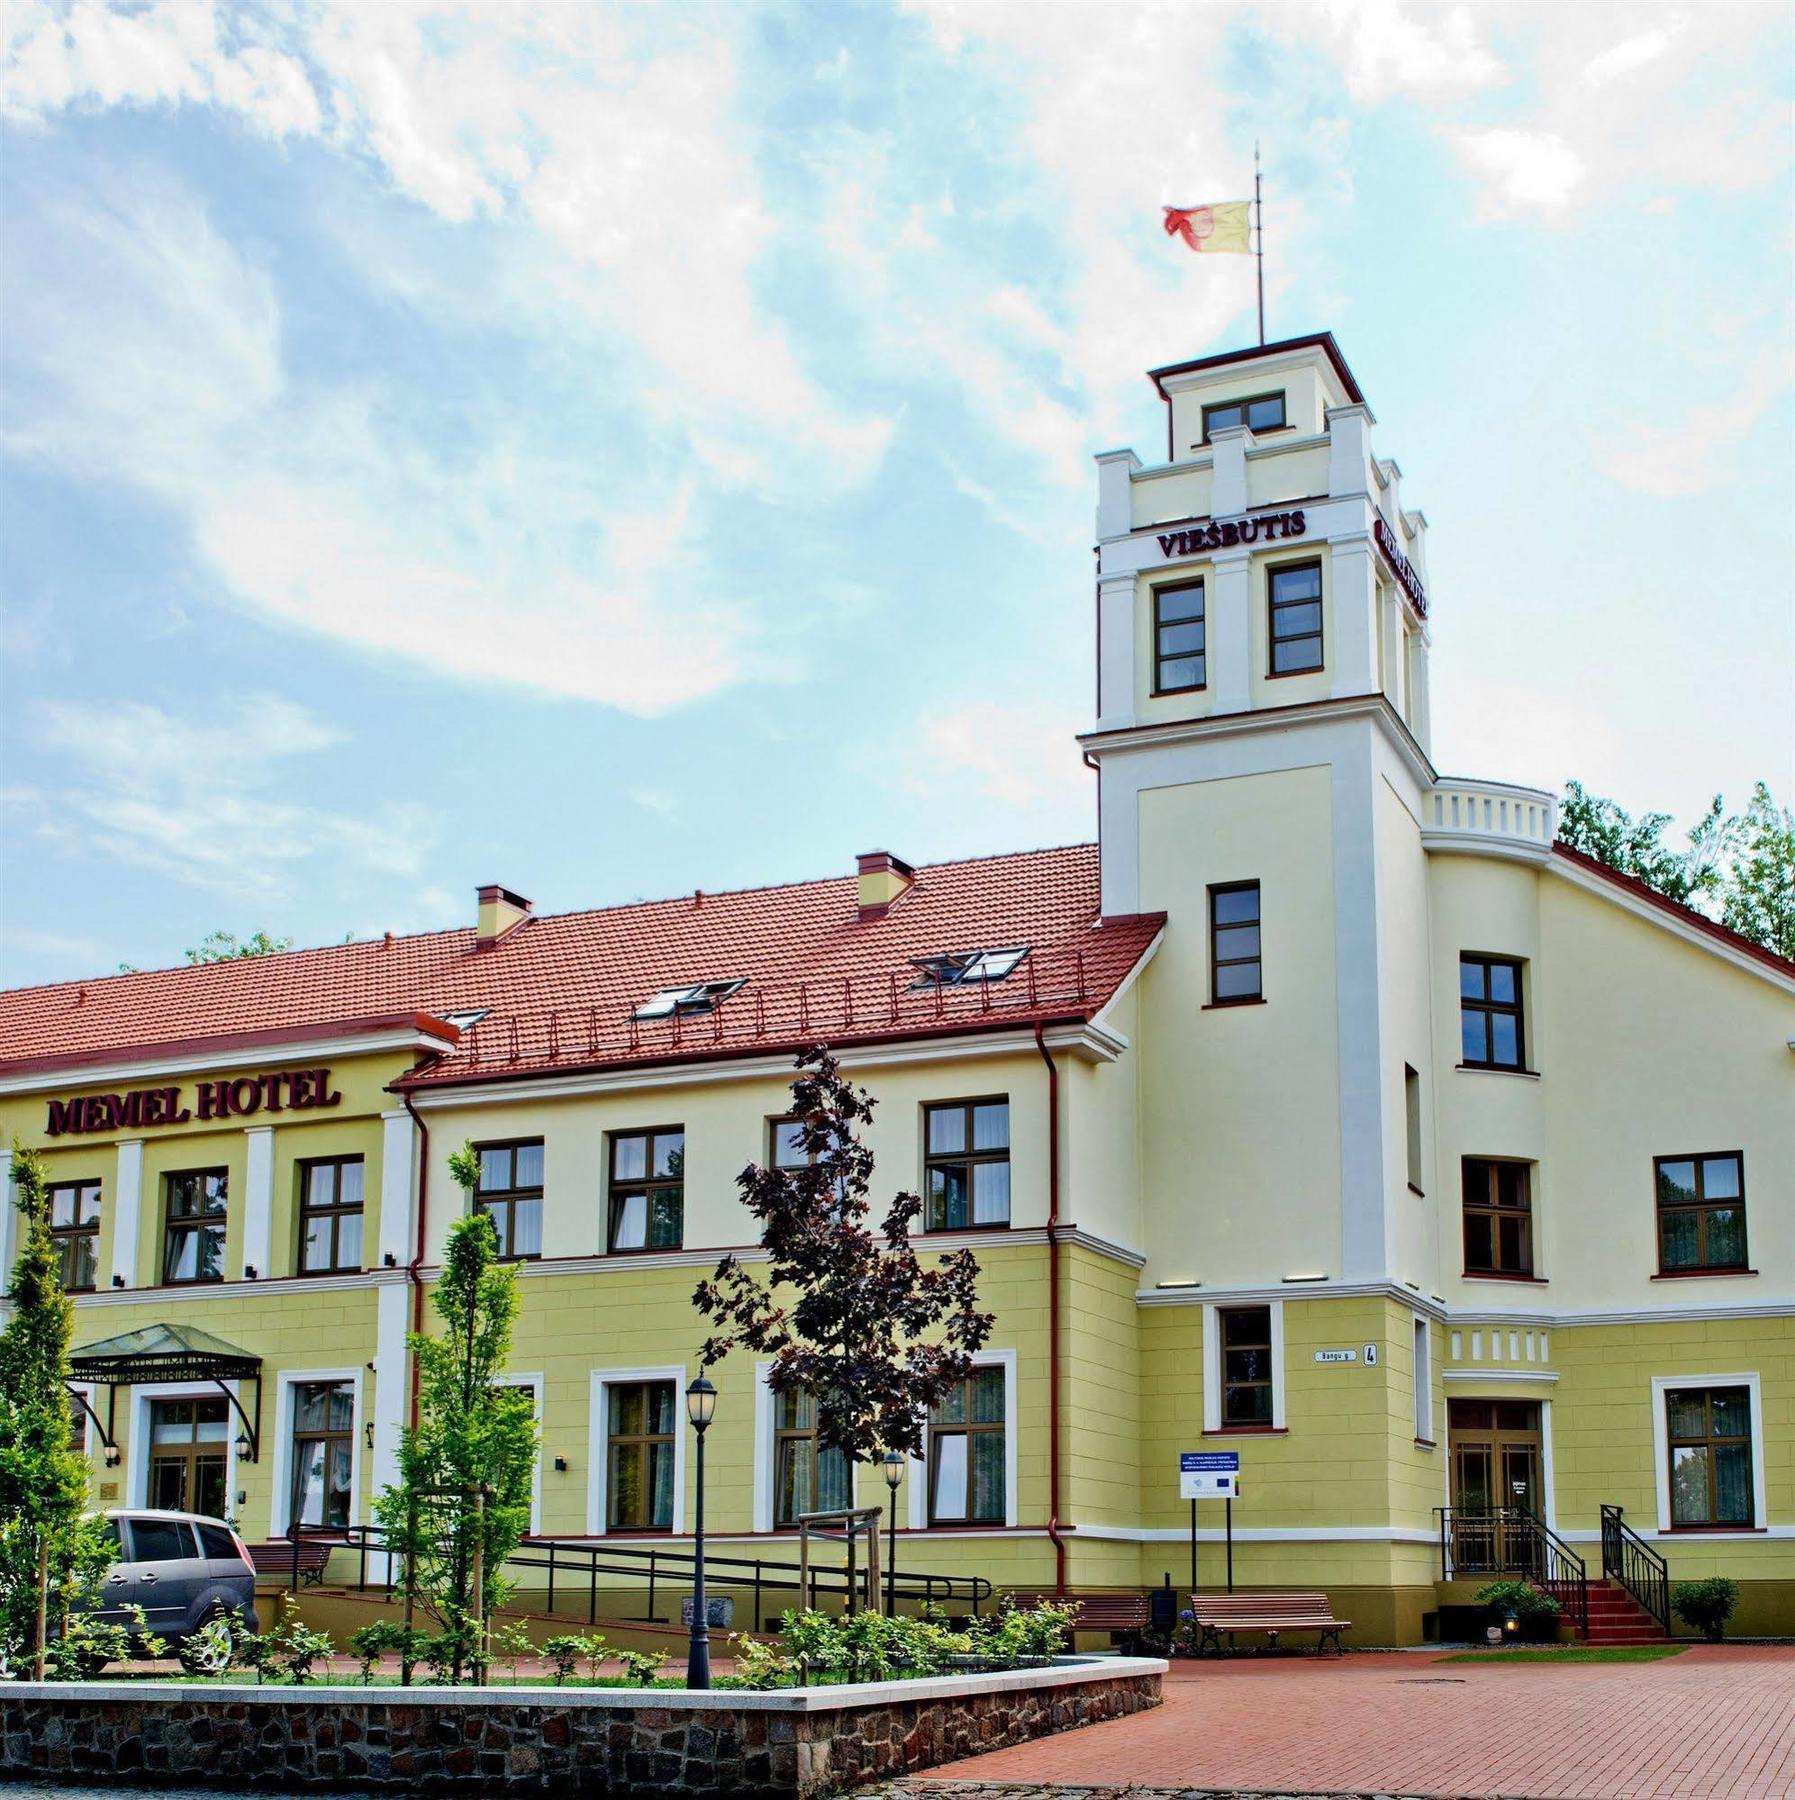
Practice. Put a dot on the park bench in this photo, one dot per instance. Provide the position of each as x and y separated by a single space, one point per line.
274 1562
1223 1615
1125 1616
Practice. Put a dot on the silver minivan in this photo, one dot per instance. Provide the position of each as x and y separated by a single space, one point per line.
183 1569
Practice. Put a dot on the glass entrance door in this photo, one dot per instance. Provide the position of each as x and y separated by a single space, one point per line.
1495 1450
187 1455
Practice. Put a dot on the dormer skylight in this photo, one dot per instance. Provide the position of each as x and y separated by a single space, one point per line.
956 968
472 1016
682 1002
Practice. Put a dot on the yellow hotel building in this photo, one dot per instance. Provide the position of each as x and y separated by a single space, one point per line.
1323 1111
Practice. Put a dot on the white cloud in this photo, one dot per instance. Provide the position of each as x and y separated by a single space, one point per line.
1521 168
199 798
1018 755
1629 54
1692 455
1386 49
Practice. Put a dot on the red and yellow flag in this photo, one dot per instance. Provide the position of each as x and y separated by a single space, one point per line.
1212 229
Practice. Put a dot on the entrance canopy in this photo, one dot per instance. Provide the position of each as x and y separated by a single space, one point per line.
167 1353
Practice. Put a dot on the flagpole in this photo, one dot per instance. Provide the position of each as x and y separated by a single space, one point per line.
1259 218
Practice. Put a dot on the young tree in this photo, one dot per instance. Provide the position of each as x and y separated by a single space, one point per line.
223 946
49 1552
1758 899
1600 828
463 1497
849 1316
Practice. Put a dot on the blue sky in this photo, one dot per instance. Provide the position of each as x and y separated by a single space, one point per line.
611 451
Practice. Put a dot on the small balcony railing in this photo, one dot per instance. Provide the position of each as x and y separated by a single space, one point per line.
1491 818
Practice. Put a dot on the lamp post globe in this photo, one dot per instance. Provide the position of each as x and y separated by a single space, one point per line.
701 1407
893 1470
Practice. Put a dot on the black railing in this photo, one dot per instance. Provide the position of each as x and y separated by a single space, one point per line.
1630 1560
646 1572
1512 1540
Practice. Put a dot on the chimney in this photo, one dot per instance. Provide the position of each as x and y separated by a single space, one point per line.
884 880
501 912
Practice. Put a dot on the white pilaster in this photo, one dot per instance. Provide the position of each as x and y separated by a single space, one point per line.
127 1207
1353 593
9 1222
258 1199
1420 717
398 1186
1115 651
392 1378
1391 635
1228 483
1349 450
1115 499
1230 631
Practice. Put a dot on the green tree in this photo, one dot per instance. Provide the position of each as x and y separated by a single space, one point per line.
223 946
49 1551
1600 828
1758 896
465 1467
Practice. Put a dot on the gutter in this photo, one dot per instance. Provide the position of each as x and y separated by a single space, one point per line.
1053 1312
413 1269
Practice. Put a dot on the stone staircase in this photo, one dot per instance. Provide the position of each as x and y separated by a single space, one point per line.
1615 1617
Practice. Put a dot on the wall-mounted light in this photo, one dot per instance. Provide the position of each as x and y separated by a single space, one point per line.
390 1260
368 1434
249 1272
112 1457
560 1465
118 1281
242 1445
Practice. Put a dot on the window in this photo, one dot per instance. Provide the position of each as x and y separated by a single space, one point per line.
468 1019
1179 639
806 1477
193 1241
330 1214
1489 1011
787 1147
639 1456
1246 1365
187 1455
956 968
682 1002
1708 1431
1411 1107
1701 1212
1234 968
323 1446
510 1194
1263 412
1424 1383
1498 1217
648 1170
161 1540
967 1453
967 1164
75 1225
1296 618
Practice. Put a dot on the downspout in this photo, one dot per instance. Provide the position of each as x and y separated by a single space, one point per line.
414 1269
1053 1312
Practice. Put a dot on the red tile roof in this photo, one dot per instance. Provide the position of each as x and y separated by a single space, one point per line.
562 989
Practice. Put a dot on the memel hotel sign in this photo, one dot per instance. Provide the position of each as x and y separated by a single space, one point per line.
291 1090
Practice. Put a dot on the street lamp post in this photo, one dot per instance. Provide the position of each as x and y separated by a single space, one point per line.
701 1404
894 1473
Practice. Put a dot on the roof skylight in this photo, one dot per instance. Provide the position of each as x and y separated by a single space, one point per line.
956 968
682 1002
471 1016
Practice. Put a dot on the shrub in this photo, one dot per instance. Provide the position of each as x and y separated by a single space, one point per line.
84 1649
297 1647
641 1666
1517 1599
211 1649
510 1645
562 1654
594 1648
372 1641
761 1665
1706 1605
444 1653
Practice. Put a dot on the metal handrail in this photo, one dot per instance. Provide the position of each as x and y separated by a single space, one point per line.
581 1561
1522 1543
1630 1560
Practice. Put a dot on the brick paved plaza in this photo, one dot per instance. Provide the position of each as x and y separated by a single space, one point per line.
1713 1722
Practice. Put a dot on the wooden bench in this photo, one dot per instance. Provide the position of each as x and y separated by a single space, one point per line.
274 1562
1124 1615
1223 1615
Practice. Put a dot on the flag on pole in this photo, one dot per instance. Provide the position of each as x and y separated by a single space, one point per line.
1212 229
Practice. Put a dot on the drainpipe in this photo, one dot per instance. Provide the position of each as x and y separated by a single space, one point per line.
1053 1312
414 1269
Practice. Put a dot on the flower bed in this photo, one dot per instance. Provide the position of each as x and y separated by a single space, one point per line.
780 1745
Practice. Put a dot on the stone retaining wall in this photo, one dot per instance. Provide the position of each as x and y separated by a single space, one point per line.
504 1741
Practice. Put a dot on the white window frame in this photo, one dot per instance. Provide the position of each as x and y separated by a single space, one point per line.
1422 1378
281 1452
1212 1366
534 1383
137 1462
598 1430
1760 1515
917 1474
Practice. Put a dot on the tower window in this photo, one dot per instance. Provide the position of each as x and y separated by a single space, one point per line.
1263 412
1296 619
1489 1010
1235 971
1179 639
1498 1216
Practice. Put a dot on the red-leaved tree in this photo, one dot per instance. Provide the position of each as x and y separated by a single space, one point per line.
849 1315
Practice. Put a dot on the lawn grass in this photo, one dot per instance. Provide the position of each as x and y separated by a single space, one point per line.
1575 1653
